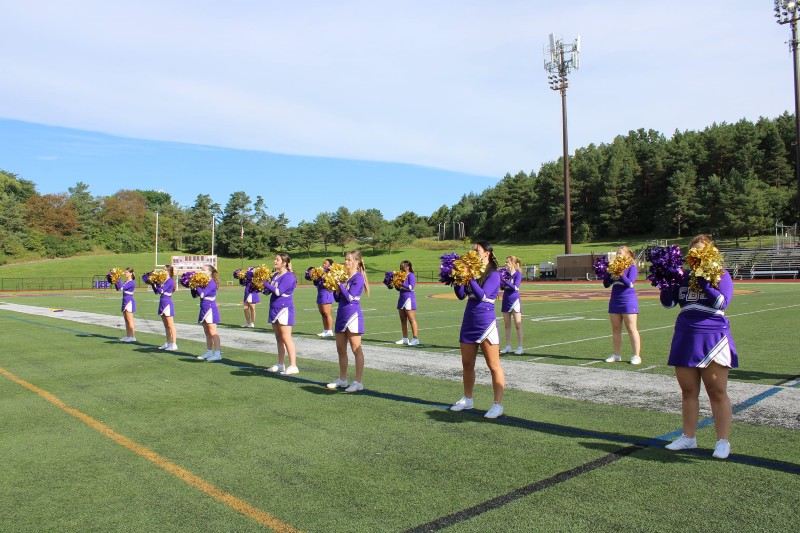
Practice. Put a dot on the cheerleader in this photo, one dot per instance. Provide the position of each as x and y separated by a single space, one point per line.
479 330
166 309
407 305
350 321
251 298
128 303
623 307
512 305
324 303
702 350
209 314
281 312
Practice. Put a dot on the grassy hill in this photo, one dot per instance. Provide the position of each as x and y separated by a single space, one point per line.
424 255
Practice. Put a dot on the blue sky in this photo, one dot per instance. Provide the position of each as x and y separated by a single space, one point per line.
392 105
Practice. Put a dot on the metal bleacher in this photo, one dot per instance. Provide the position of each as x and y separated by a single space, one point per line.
739 261
774 264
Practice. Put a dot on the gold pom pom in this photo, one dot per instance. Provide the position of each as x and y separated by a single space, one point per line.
199 279
115 274
468 267
261 274
619 265
158 277
336 274
316 273
705 263
398 278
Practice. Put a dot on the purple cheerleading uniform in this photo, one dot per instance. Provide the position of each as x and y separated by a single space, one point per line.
281 287
127 288
623 299
165 305
702 332
349 314
479 321
511 294
251 296
324 296
407 294
208 304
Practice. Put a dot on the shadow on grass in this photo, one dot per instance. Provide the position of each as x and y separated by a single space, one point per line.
652 449
755 377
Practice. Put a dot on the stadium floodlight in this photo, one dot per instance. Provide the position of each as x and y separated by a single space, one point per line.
786 11
563 59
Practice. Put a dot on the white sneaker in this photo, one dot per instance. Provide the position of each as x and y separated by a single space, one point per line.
507 349
338 384
354 387
164 346
613 359
682 443
131 339
206 355
463 403
216 356
414 342
323 334
171 348
251 325
518 351
125 339
495 411
246 325
722 450
636 360
403 341
277 367
291 370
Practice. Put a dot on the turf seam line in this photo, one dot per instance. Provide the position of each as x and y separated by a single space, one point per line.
504 499
179 472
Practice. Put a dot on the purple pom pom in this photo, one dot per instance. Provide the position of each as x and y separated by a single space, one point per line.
185 277
446 268
601 266
666 264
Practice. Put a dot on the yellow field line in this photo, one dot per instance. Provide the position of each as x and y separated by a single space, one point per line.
184 475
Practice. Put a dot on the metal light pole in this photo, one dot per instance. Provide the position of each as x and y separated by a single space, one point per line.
786 11
563 58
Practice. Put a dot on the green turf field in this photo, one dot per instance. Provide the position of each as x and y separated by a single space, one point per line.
228 447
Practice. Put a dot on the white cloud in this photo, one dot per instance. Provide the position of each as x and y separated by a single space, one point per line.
452 84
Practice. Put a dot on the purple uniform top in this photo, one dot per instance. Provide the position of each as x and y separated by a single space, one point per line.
407 293
511 293
702 332
479 320
623 299
324 296
165 297
127 287
349 314
280 288
208 303
251 296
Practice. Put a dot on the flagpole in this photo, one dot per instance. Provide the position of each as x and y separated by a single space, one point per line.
241 244
156 239
212 234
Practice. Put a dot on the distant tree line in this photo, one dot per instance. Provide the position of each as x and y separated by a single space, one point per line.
733 180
